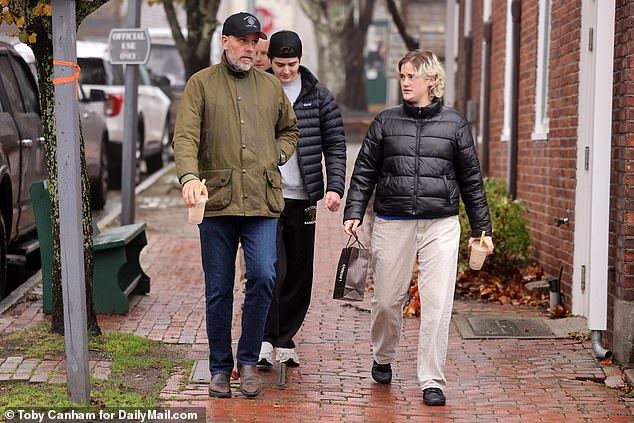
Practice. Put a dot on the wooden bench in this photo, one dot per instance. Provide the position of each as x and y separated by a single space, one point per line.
117 271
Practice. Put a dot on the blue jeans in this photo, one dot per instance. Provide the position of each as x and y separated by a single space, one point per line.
219 243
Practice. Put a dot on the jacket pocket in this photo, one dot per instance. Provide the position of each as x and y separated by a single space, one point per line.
274 197
447 189
219 188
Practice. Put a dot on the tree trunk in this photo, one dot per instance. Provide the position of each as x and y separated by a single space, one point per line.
410 42
201 23
43 51
328 19
353 37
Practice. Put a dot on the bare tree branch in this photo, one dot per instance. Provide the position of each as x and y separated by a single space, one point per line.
177 32
410 42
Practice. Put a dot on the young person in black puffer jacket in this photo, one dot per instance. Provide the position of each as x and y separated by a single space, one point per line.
321 136
421 159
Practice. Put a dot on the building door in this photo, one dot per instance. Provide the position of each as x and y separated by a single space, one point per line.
590 273
581 255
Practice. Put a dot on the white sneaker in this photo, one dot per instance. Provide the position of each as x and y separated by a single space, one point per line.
266 355
288 356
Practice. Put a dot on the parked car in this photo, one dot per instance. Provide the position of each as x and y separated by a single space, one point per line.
93 110
166 61
21 157
153 131
22 151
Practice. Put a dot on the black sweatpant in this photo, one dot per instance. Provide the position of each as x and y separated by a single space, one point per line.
294 282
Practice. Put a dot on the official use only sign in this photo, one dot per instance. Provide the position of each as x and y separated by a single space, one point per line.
129 45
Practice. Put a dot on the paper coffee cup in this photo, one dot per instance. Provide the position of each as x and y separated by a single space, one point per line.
195 214
478 254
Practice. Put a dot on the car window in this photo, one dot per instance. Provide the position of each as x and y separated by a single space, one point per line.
29 94
93 71
144 76
10 84
166 60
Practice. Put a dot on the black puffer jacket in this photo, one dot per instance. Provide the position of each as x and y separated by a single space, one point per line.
320 132
421 161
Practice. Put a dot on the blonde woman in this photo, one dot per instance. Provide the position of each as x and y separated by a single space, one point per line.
420 158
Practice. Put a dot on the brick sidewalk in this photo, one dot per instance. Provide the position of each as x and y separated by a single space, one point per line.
547 380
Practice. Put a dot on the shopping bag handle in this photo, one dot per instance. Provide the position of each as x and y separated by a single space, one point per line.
356 241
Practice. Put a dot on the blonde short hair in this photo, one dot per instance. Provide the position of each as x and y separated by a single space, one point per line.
427 64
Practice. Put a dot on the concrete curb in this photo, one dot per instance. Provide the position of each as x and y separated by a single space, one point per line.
148 182
21 291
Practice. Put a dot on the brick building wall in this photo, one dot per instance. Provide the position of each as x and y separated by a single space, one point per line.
546 180
546 169
621 260
549 172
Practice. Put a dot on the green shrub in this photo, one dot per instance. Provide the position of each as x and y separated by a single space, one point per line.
510 236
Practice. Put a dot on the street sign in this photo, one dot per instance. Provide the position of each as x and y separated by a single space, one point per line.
129 45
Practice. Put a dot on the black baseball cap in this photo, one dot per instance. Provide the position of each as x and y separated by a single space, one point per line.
285 44
242 23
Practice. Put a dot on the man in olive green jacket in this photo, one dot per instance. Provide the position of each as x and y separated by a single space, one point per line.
234 127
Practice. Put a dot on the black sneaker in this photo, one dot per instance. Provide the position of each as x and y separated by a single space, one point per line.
433 396
382 373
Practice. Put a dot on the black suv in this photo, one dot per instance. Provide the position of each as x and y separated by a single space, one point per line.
21 157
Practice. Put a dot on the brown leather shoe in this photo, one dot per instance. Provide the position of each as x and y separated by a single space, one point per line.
250 381
219 386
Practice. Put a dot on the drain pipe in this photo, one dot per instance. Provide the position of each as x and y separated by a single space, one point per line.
516 12
468 56
485 94
597 345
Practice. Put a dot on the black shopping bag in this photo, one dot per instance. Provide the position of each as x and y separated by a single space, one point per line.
352 271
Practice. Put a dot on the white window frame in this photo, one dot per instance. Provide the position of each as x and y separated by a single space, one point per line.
541 128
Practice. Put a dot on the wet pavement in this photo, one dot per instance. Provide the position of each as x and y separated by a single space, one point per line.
553 379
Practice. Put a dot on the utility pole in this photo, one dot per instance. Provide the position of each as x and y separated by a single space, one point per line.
69 190
130 125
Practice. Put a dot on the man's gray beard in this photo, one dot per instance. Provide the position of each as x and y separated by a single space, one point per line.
237 64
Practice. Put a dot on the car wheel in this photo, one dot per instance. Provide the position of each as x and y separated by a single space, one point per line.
3 258
166 143
156 162
114 173
100 186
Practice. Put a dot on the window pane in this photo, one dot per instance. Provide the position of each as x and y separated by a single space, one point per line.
92 71
31 101
10 84
165 60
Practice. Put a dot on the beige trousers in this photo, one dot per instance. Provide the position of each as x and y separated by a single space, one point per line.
395 245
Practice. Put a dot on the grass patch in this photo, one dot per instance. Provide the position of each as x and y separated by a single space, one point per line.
127 351
34 342
21 394
139 370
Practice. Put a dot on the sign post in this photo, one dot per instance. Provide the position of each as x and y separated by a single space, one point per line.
130 46
71 237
